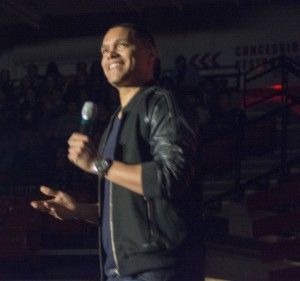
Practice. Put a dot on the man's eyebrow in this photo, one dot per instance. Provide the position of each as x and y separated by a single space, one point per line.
116 42
122 40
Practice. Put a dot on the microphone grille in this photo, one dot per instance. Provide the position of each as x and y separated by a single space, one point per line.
89 111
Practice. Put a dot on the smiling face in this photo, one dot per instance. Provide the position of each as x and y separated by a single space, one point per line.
127 61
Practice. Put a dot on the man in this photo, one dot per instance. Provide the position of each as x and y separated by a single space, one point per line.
145 163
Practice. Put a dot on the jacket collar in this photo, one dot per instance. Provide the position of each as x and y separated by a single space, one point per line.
148 86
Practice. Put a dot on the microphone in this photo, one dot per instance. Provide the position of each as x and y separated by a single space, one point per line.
88 115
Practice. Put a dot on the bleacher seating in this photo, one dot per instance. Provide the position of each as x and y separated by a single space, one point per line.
276 224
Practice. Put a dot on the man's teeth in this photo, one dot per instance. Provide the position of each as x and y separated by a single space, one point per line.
114 65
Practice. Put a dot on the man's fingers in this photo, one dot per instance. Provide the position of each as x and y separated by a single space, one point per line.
45 207
77 138
36 204
50 205
54 209
75 152
77 135
48 191
39 205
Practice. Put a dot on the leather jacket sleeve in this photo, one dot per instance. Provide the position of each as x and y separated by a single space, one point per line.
173 145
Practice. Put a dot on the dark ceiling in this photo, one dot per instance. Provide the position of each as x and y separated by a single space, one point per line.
25 21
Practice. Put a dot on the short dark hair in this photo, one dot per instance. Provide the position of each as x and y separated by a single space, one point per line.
140 32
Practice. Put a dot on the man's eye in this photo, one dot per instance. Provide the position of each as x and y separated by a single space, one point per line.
122 45
104 51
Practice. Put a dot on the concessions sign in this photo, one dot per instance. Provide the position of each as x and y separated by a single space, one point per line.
250 56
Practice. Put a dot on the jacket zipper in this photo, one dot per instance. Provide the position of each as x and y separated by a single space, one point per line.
112 230
154 231
100 150
100 235
150 216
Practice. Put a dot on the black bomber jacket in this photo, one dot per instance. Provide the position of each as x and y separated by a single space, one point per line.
147 231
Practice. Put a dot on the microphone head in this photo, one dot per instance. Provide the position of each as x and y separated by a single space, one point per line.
89 111
88 115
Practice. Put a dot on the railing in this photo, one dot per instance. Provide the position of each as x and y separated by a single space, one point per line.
286 66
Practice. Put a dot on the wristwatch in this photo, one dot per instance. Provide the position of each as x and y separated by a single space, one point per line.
101 166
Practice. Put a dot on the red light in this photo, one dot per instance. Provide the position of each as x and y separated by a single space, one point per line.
276 87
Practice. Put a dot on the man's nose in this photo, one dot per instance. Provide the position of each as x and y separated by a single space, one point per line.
113 53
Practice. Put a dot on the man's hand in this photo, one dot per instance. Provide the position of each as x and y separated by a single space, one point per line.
61 206
82 151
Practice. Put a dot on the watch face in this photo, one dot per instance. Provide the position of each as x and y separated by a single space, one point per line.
102 166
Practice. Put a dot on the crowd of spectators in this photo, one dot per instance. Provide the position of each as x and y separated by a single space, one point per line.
39 112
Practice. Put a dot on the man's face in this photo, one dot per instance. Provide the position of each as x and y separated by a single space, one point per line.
126 61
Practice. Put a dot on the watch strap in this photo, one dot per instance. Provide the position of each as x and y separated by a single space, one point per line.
102 166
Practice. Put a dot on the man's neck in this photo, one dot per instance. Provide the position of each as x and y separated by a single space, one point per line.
126 94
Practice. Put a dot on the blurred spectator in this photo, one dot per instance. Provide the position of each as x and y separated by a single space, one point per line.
52 107
77 87
35 80
96 72
179 71
81 86
5 82
67 89
52 70
9 154
98 84
30 109
192 76
49 85
67 123
52 101
185 75
9 117
53 74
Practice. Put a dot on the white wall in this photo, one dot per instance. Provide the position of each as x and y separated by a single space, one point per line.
66 52
274 24
263 29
